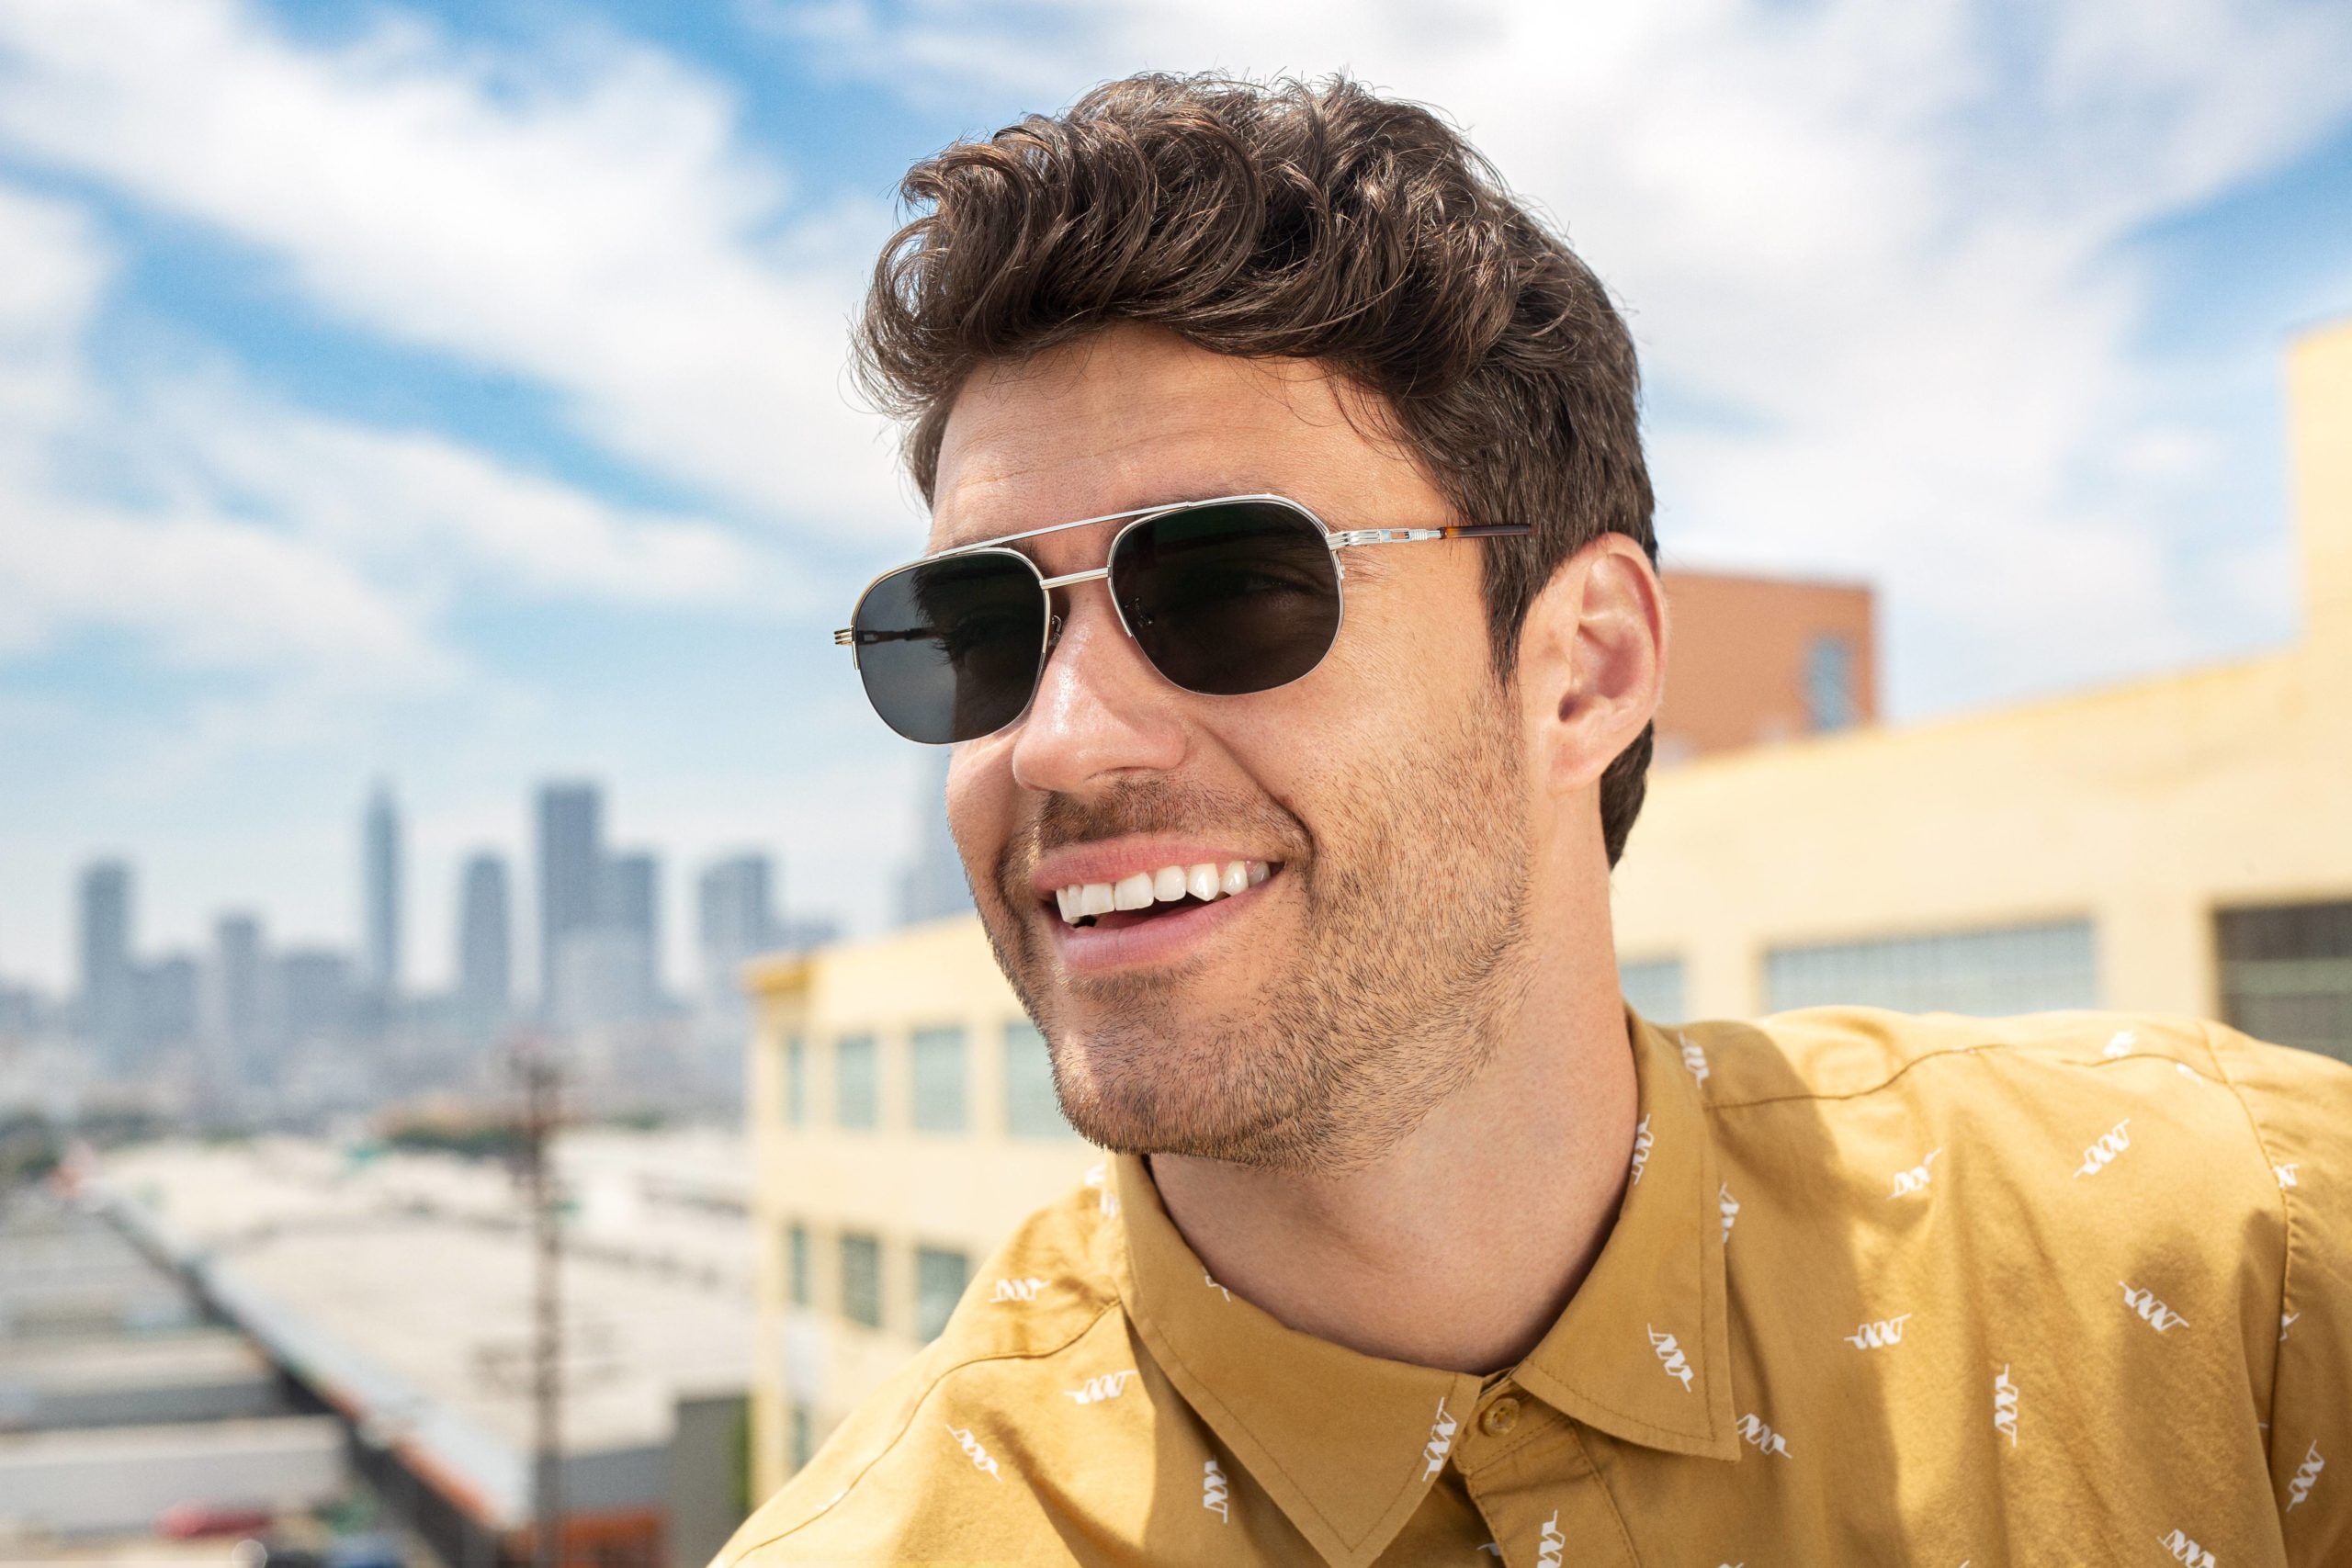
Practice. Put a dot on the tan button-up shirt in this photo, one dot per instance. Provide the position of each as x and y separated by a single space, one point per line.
2067 1288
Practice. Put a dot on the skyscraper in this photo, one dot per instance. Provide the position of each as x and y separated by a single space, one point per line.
108 980
233 999
311 1001
169 1012
485 942
736 906
631 911
933 886
572 866
381 854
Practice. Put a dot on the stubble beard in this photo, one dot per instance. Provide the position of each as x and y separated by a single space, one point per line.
1410 916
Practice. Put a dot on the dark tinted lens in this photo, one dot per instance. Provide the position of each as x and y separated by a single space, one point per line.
950 650
1241 596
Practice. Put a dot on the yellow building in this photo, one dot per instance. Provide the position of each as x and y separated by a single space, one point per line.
2181 844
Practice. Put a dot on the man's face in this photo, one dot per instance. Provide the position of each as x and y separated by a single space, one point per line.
1310 1020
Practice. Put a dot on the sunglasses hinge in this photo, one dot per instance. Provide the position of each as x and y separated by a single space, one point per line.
1351 536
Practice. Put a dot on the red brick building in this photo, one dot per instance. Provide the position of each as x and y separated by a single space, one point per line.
1753 660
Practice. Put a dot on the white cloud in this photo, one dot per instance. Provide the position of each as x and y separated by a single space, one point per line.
208 591
589 222
1893 238
306 550
425 509
212 593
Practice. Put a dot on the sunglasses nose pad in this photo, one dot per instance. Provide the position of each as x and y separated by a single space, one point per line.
1053 633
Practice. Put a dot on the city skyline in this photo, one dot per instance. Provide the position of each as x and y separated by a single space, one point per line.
541 461
638 887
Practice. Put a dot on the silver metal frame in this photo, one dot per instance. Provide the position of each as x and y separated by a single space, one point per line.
1336 539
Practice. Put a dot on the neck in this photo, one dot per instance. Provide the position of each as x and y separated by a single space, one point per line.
1459 1248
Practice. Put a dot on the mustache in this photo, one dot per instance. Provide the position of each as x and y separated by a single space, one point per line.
1159 805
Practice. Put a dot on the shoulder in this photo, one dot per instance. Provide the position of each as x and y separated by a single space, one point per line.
1853 1053
2225 1118
931 1438
1842 1053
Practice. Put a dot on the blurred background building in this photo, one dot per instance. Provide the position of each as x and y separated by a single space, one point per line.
1757 659
2179 843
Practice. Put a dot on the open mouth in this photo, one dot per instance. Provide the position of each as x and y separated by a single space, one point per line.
1148 896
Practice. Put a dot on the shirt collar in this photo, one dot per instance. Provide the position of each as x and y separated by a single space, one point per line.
1642 1350
1347 1444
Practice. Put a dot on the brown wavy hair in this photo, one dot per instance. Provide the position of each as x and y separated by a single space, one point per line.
1290 220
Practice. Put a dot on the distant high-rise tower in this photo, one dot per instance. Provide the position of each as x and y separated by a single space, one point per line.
571 870
934 886
485 942
234 998
381 853
735 904
632 914
109 981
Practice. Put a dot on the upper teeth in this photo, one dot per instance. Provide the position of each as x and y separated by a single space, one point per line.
1206 882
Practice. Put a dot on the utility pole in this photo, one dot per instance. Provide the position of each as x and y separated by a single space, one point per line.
541 1083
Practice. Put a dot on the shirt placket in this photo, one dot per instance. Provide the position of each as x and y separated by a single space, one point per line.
1527 1470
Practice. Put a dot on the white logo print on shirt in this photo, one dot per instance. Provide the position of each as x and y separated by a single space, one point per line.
2157 1315
1440 1441
1641 1147
1097 1176
2120 1044
1730 1207
1212 1285
1915 1178
1102 1386
1017 1289
980 1458
1549 1546
1677 1364
2111 1143
1753 1428
2285 1321
2005 1406
2286 1173
1213 1492
1693 1058
1873 1335
2300 1488
2187 1550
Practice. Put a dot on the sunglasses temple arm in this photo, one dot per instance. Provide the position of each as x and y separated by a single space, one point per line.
1349 538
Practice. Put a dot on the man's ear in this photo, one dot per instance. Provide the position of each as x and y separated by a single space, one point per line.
1591 661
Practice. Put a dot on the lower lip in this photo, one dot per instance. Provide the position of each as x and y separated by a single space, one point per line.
1090 950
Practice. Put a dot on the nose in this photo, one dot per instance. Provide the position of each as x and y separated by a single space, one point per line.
1101 711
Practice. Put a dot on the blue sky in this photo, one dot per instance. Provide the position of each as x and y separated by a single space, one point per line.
455 391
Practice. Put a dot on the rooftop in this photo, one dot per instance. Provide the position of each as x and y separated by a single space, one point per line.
398 1285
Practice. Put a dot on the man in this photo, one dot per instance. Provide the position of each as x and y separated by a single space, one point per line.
1292 603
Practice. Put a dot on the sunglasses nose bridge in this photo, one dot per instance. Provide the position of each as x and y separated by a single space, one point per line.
1069 580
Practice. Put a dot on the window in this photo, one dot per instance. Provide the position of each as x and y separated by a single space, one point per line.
2007 969
2287 975
938 1069
1030 1109
1829 683
940 1278
795 1264
862 1280
857 1094
803 1440
796 1082
1653 988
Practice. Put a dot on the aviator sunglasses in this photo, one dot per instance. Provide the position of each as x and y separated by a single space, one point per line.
1225 597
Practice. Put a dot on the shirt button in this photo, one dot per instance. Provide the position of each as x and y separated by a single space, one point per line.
1500 1417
